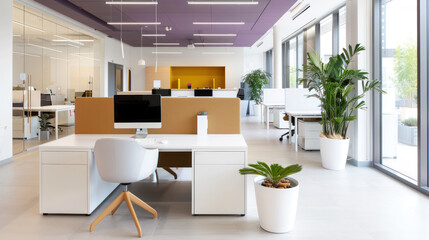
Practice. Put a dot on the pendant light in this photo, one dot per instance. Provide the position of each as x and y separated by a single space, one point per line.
141 62
122 43
156 39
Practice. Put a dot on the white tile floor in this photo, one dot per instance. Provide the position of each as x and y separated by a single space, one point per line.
357 203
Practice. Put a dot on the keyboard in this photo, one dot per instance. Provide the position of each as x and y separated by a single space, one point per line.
146 141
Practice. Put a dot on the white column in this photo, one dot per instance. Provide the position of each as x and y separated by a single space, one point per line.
359 30
277 57
6 81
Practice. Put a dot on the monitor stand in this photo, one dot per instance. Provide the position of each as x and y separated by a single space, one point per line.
141 133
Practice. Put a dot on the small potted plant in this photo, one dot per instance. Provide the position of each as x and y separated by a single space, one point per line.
335 83
257 79
276 195
44 125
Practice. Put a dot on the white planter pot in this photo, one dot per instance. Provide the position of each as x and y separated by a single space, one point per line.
276 207
257 109
44 135
334 153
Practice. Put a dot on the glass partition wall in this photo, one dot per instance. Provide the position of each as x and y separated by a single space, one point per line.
53 63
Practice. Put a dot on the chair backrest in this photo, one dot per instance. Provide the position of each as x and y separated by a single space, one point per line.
273 96
296 99
123 160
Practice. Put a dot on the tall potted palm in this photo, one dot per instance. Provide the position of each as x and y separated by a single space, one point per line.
256 80
334 84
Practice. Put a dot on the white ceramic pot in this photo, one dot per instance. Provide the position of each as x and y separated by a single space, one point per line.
334 153
257 109
276 207
44 135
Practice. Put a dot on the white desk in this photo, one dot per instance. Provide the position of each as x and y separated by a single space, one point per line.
53 108
70 184
266 112
302 115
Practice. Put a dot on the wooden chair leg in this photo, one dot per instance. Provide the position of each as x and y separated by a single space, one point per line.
133 213
156 175
116 208
106 211
143 205
171 172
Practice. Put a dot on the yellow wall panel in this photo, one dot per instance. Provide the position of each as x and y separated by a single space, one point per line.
199 77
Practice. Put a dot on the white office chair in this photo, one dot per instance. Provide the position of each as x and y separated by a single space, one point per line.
124 161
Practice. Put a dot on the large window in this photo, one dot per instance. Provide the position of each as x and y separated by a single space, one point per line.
292 63
342 19
326 38
396 112
269 65
318 38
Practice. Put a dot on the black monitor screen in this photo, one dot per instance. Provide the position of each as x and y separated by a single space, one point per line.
162 92
137 108
203 92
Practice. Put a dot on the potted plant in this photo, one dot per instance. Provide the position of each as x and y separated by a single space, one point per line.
276 195
256 80
44 125
334 84
407 131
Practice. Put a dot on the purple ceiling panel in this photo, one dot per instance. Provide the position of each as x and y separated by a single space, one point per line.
179 15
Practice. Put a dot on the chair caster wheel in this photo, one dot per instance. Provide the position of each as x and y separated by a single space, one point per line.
281 139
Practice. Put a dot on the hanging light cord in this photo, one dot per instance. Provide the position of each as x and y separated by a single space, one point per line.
156 38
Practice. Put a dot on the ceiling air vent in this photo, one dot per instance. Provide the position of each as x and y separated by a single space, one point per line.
301 11
259 44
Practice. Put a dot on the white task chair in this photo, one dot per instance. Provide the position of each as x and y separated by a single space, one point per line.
124 161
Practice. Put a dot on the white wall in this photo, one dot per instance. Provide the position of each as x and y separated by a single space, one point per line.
6 80
238 61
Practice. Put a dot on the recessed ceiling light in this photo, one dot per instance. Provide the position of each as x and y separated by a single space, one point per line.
26 54
220 53
131 3
153 35
38 46
28 26
134 23
215 35
218 23
166 44
225 44
224 2
166 52
64 39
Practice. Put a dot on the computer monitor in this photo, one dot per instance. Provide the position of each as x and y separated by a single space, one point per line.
137 111
162 92
203 92
45 99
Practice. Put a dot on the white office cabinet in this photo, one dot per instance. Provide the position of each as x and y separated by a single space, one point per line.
57 178
70 183
278 121
308 135
25 127
218 187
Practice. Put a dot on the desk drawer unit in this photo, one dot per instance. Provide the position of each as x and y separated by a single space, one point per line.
218 187
70 183
64 182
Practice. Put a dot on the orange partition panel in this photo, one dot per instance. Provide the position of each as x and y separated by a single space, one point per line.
179 116
199 77
95 116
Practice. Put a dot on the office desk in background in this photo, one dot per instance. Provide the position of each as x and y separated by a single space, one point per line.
300 115
53 108
70 184
266 112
